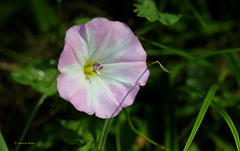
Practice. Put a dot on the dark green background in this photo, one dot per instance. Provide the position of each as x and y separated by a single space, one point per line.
32 38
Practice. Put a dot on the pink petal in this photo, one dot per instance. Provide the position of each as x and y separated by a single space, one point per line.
67 59
101 98
94 33
69 83
125 95
114 42
77 44
91 99
80 101
127 72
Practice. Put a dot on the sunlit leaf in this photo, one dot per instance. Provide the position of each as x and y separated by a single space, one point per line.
149 10
38 76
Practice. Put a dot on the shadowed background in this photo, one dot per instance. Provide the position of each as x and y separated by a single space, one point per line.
198 49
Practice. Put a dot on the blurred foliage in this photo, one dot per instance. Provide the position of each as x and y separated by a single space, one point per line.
198 41
38 76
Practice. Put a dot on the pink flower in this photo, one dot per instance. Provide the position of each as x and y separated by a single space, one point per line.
102 66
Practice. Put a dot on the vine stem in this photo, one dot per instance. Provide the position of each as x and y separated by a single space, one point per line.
39 103
139 133
104 134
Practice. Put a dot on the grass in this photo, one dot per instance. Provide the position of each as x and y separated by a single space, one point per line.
3 145
206 102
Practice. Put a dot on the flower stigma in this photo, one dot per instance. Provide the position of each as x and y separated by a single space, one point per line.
91 67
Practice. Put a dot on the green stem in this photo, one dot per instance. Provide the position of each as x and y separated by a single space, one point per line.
39 103
139 133
118 135
196 13
103 137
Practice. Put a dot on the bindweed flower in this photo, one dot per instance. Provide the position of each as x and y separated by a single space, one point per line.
102 66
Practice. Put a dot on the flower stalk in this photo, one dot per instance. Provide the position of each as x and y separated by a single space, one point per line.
39 103
104 134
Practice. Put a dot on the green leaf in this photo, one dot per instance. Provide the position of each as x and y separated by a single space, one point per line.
149 10
206 102
38 76
81 134
169 19
3 145
229 122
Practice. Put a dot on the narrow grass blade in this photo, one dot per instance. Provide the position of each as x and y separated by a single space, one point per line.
175 51
217 52
234 66
183 54
206 102
229 122
195 12
3 145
